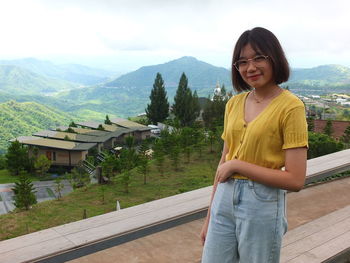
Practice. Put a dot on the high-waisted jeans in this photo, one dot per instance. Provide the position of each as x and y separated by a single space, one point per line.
247 222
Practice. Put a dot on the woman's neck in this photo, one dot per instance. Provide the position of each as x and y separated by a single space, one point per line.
265 94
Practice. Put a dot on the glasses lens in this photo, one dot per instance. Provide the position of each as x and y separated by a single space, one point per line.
259 59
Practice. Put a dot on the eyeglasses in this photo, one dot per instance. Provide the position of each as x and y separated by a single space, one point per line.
243 64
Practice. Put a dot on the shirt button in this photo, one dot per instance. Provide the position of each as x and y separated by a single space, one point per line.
241 142
245 125
236 156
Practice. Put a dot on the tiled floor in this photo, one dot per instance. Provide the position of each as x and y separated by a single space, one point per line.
181 243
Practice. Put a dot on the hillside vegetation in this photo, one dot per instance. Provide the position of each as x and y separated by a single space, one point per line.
21 119
100 199
16 80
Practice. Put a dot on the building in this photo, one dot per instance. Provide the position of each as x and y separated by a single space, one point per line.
59 152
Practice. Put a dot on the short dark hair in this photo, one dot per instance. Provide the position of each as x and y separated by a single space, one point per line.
265 42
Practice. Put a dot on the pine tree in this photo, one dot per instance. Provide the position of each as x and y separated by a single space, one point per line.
72 124
310 124
42 165
16 158
186 106
24 193
328 129
107 120
346 136
158 109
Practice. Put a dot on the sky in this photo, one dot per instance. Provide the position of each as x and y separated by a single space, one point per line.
123 35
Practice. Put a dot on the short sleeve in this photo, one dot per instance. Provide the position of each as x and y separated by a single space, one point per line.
295 132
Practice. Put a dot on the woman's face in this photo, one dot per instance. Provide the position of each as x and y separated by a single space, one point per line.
256 74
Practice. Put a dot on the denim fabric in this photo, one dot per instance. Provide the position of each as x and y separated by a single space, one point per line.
246 224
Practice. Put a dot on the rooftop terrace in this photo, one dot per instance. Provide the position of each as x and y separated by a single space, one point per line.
167 230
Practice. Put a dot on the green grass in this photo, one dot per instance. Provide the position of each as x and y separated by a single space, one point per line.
196 174
6 177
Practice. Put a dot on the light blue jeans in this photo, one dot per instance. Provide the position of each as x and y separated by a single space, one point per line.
246 224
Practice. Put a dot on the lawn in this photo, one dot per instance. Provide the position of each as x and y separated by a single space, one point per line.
6 177
97 199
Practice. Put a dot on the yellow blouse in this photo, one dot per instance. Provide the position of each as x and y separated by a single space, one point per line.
281 125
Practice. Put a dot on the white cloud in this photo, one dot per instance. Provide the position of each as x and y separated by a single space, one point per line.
146 31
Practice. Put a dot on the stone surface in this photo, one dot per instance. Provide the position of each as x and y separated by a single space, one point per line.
181 243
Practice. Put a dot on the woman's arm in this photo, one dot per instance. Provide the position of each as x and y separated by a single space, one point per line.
292 179
206 223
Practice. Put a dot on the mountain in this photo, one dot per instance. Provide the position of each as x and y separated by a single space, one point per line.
69 72
14 79
322 75
128 95
21 119
200 75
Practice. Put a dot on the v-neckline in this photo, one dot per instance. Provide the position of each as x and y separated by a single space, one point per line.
261 113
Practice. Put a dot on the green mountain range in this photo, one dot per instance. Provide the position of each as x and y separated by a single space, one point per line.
201 75
17 80
25 110
74 73
22 119
335 75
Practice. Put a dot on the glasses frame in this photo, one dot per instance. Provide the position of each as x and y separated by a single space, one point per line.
250 59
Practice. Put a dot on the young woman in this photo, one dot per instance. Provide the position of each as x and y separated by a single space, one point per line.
264 130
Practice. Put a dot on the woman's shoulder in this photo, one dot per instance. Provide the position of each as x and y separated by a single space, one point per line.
291 101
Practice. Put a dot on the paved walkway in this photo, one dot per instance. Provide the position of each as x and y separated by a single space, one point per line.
42 189
181 243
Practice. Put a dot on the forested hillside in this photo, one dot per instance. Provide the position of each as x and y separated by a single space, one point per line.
16 80
20 119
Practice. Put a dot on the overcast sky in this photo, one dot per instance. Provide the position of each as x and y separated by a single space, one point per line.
126 34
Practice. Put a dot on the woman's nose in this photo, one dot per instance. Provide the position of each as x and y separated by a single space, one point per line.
251 66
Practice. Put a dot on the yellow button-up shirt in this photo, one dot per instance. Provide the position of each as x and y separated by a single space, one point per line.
281 125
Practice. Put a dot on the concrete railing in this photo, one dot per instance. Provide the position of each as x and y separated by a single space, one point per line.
73 240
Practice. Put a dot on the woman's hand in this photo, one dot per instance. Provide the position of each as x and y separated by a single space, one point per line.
204 231
225 171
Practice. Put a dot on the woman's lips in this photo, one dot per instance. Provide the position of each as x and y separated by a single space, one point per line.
254 77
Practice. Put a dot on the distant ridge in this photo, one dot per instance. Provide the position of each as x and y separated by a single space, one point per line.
200 74
69 72
17 80
322 75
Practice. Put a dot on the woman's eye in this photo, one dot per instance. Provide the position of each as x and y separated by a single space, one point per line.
242 62
259 58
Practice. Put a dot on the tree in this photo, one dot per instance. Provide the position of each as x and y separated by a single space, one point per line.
213 114
159 155
79 177
328 129
107 120
346 137
186 106
143 161
110 166
158 109
58 187
16 158
72 124
100 128
42 164
310 124
187 140
24 192
128 161
322 144
2 162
